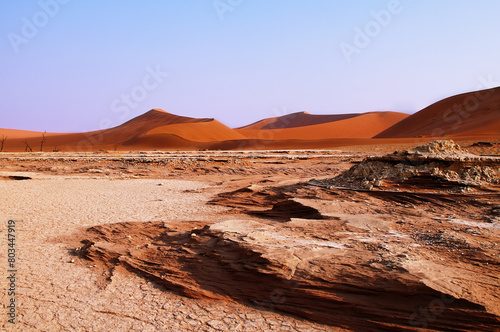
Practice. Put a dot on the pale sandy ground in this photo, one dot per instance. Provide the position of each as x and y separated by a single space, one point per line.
57 295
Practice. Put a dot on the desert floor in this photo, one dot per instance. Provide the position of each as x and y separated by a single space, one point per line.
55 197
59 292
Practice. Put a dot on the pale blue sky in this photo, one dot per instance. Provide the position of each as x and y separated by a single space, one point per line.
248 60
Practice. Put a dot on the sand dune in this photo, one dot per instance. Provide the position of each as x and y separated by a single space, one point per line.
469 114
153 120
155 129
309 127
14 133
299 119
157 122
53 141
209 131
158 142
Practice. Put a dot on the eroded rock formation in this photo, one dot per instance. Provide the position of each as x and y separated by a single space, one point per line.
401 260
436 165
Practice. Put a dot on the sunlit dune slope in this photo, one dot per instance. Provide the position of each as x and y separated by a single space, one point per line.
469 114
14 133
209 131
299 119
158 121
141 125
159 141
364 125
154 129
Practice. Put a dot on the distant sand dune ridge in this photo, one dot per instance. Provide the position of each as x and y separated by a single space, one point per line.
471 116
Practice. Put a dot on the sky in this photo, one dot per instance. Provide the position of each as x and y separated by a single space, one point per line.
74 65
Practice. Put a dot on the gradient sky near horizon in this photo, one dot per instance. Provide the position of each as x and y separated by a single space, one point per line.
72 66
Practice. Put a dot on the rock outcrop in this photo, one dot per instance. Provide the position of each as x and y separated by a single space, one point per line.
436 165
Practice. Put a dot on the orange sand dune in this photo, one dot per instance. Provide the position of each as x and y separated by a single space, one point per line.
160 122
159 142
210 131
141 125
154 129
466 117
299 119
52 142
469 114
364 125
15 133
